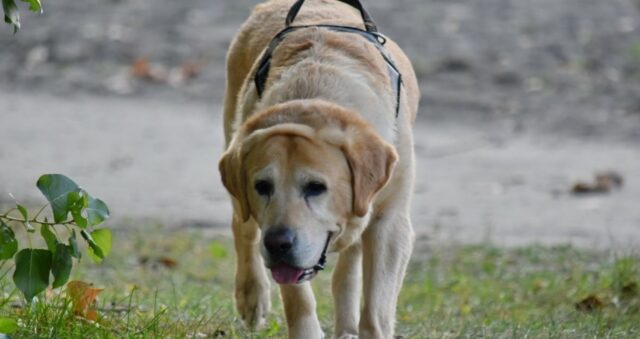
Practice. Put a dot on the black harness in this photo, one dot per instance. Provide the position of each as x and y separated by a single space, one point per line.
371 34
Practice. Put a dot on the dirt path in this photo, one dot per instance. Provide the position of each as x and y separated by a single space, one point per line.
520 100
156 160
566 67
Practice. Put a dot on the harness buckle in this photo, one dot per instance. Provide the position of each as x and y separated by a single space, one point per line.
381 38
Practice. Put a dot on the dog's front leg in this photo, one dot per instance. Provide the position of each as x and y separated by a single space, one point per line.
346 287
300 310
387 244
252 283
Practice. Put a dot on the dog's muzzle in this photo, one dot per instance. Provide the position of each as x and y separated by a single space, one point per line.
285 274
309 273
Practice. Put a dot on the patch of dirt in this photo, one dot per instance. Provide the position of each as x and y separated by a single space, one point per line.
156 161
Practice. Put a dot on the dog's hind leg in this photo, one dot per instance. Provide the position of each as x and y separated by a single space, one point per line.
386 244
252 283
347 288
300 310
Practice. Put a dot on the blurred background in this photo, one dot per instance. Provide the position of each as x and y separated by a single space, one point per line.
529 128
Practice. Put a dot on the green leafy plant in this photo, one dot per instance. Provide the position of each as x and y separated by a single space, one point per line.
73 209
12 15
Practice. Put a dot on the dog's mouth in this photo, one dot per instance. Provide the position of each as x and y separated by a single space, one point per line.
286 274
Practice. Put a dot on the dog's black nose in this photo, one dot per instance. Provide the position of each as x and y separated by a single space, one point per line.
279 241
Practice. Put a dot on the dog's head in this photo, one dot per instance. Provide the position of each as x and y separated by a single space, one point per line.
302 170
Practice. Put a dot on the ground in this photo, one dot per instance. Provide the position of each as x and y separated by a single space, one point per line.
520 100
176 284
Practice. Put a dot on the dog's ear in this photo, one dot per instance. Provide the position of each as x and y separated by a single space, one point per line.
234 178
371 161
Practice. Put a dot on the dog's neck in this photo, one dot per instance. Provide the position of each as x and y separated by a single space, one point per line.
337 78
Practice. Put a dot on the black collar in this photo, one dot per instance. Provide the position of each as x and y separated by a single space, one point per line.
371 34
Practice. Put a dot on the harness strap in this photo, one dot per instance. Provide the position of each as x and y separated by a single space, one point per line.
368 21
323 258
371 34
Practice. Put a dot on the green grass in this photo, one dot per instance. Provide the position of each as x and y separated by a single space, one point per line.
635 51
469 291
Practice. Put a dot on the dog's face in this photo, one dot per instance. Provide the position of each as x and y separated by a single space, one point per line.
299 192
302 189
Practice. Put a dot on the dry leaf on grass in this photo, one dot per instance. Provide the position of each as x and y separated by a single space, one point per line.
168 262
589 304
83 297
154 262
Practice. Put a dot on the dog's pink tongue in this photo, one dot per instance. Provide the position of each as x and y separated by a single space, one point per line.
284 274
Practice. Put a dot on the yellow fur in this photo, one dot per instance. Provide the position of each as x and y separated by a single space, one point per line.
328 112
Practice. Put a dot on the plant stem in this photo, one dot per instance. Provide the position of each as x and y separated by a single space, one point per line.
40 211
7 217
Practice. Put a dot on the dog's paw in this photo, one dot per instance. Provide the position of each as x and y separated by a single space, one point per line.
345 336
253 301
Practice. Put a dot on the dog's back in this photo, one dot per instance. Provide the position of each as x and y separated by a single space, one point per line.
267 19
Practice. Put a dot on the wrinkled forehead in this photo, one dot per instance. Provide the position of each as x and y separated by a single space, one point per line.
296 155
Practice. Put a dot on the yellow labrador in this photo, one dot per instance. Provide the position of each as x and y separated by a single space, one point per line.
319 160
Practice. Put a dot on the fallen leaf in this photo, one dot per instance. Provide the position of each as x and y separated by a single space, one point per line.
83 297
155 262
589 304
604 182
141 68
168 262
584 188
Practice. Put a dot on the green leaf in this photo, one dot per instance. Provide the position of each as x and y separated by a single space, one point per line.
61 265
23 211
218 250
11 14
8 242
56 188
32 271
8 325
73 244
97 211
49 237
93 247
76 202
34 5
25 215
99 243
102 239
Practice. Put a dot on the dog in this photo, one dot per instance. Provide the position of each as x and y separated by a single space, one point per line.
318 116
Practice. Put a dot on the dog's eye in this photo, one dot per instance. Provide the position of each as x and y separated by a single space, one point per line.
313 189
264 187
